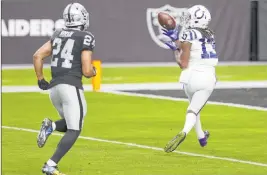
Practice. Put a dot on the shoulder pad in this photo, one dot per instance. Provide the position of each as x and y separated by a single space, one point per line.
83 33
191 34
55 34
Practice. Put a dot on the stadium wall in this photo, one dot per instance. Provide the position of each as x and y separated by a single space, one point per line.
125 31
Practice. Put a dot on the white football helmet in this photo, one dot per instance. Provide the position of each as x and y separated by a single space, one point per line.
76 15
196 16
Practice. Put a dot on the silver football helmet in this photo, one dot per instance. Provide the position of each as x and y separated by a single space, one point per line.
76 15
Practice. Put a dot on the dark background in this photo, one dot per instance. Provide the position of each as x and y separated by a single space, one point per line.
121 32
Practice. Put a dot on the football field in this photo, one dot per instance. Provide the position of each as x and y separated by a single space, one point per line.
127 125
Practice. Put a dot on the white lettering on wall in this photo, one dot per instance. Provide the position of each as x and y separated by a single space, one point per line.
32 27
22 27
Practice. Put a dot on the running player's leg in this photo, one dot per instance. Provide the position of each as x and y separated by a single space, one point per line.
201 135
74 107
198 126
59 125
198 101
180 137
48 126
200 87
190 119
204 135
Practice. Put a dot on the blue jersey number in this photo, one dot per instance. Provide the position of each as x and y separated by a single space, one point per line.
210 53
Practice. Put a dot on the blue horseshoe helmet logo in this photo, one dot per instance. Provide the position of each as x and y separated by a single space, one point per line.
199 17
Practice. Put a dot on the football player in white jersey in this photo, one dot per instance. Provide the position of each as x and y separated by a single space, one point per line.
195 53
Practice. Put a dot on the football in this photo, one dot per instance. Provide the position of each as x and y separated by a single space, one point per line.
166 21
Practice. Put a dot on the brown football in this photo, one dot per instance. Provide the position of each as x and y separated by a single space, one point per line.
166 20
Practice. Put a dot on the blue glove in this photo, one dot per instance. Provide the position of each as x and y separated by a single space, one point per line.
173 34
172 45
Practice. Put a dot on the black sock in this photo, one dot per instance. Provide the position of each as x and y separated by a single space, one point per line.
65 144
61 125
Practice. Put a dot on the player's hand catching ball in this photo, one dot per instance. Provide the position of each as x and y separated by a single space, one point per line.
172 34
172 45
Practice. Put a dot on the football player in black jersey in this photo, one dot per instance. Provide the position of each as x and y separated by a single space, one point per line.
71 50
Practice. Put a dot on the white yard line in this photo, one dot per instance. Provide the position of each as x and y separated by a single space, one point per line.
147 86
116 88
149 147
134 94
138 64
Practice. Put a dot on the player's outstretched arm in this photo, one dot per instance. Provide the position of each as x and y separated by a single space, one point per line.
87 67
38 56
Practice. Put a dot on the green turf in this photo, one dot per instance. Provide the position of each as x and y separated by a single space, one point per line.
236 133
143 74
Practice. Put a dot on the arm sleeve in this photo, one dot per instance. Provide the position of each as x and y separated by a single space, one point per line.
88 42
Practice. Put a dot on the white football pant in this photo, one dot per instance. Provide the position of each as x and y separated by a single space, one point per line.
70 104
198 89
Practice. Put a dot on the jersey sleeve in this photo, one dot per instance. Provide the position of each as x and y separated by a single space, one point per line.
190 35
88 42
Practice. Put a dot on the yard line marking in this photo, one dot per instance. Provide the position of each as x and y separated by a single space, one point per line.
147 86
148 147
134 94
17 89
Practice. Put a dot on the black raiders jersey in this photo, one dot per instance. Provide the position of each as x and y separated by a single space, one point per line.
66 63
